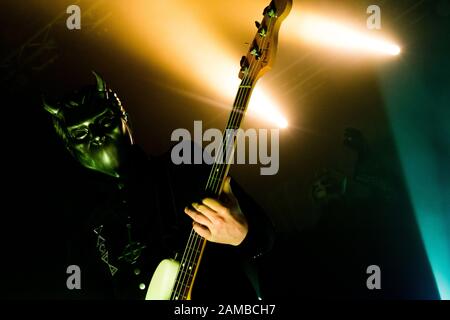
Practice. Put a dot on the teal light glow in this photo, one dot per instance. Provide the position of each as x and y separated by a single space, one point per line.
416 103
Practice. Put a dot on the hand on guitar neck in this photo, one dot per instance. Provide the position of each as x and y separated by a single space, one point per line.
220 221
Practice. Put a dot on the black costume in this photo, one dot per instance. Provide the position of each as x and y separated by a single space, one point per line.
124 212
130 214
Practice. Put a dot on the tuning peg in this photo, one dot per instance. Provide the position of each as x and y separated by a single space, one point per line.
258 24
270 10
244 62
256 52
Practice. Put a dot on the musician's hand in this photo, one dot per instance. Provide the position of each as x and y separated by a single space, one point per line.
220 221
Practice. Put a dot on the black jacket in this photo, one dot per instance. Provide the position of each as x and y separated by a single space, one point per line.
118 232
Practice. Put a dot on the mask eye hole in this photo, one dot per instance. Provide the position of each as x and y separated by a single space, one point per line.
107 121
80 133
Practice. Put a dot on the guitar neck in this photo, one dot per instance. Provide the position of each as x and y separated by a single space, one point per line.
194 249
221 166
257 61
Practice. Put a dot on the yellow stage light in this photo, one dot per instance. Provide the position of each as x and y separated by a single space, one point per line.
180 41
328 32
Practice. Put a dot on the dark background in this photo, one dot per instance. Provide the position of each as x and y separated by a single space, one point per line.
322 251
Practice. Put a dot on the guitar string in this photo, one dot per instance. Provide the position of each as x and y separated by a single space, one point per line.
194 236
195 249
238 112
211 181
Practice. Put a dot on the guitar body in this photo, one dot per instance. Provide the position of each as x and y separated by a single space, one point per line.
163 280
174 280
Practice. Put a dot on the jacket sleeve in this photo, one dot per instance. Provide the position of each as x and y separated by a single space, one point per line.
261 234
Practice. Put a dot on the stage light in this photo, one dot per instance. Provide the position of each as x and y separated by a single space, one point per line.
421 137
329 32
181 42
262 107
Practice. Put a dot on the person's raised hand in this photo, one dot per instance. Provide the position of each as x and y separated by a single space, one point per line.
220 221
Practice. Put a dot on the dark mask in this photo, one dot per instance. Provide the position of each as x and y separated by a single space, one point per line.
94 127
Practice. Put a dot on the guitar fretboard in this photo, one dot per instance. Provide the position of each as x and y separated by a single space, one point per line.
253 65
223 160
218 173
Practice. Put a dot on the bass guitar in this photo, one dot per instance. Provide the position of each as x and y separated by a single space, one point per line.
173 279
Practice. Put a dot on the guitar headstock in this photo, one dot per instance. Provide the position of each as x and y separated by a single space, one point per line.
263 48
